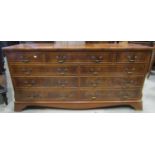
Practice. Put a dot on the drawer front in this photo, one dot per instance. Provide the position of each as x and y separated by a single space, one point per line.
133 57
79 57
113 70
44 70
97 57
109 95
111 82
45 82
46 94
25 57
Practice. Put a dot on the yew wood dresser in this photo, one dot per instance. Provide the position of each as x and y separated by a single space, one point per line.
78 77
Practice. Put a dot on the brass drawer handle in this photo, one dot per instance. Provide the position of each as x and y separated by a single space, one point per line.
61 58
95 83
26 61
130 72
61 61
31 83
124 95
62 71
93 98
132 58
130 69
93 71
62 83
27 71
97 59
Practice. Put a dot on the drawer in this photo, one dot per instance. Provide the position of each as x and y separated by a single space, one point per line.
44 70
79 57
97 57
133 57
109 95
111 82
46 94
113 70
25 57
45 82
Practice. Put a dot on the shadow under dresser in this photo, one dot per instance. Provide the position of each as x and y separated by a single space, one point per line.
78 76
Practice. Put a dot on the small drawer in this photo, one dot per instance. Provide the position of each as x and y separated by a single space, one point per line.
111 82
96 57
109 95
44 70
113 70
56 82
133 57
25 57
61 57
46 94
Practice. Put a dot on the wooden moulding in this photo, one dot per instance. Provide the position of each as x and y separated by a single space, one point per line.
79 105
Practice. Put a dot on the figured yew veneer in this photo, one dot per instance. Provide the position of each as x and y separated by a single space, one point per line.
78 76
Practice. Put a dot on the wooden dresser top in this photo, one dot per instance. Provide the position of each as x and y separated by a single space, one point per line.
53 46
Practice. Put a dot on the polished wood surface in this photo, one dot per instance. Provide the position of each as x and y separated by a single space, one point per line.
78 76
50 46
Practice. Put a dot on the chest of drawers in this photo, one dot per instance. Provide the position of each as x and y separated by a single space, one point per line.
78 77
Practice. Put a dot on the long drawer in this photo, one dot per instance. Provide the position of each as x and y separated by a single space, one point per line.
63 82
75 70
74 94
